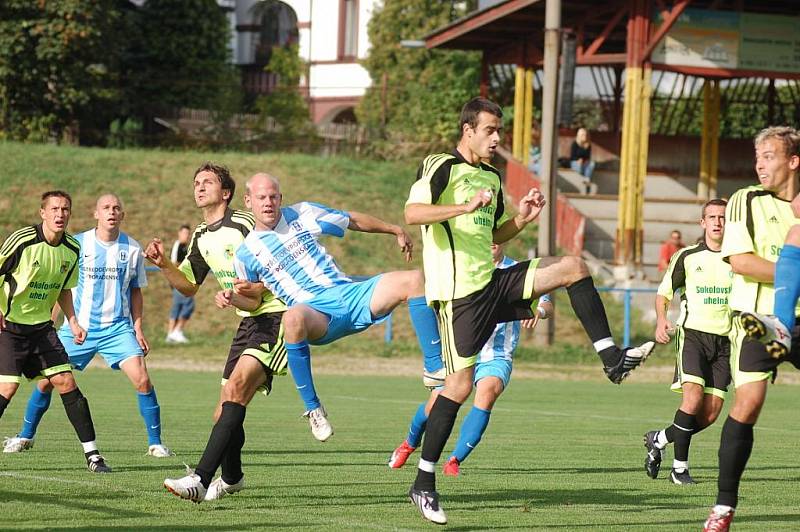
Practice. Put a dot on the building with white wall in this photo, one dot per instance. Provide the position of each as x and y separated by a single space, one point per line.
332 37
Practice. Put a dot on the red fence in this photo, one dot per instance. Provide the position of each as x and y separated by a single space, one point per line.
570 224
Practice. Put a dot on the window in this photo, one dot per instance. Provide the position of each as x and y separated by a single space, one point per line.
348 29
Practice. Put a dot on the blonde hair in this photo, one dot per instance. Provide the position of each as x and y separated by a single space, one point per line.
788 136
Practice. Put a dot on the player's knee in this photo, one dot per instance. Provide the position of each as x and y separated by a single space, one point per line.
294 324
575 268
45 386
63 382
143 384
8 389
793 238
416 283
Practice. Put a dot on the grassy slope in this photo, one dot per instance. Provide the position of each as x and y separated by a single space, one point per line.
156 189
557 456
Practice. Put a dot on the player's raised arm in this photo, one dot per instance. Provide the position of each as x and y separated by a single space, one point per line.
426 214
530 206
366 223
155 254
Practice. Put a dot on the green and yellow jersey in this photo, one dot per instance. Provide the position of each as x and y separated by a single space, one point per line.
703 281
756 221
33 273
456 253
213 248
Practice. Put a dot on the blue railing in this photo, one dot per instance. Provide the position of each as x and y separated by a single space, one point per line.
626 302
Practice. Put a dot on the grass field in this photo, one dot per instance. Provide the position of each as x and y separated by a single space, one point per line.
557 456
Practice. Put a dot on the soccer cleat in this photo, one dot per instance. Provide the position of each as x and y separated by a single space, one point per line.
434 379
719 522
682 477
97 464
159 451
17 444
219 488
769 331
318 419
652 462
629 360
189 487
400 455
451 467
428 504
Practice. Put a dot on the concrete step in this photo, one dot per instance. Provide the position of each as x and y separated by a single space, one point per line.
654 231
605 206
655 185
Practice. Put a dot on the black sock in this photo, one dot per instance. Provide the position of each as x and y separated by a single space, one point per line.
232 459
683 427
590 311
77 408
437 430
3 404
229 422
734 451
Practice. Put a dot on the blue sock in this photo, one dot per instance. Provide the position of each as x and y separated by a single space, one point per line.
417 428
37 406
424 321
299 359
151 413
787 279
472 430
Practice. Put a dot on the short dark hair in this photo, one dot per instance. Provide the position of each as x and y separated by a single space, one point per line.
56 194
222 173
185 226
719 202
471 110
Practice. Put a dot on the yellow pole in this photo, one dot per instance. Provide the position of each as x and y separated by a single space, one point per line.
705 141
625 148
644 144
527 123
714 148
633 163
519 113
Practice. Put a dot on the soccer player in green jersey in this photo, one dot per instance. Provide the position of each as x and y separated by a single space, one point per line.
702 370
757 221
38 266
458 202
257 352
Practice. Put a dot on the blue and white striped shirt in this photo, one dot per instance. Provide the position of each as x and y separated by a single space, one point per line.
289 259
106 273
503 341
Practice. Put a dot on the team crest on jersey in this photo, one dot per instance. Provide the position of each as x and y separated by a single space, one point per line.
229 252
123 256
64 266
297 226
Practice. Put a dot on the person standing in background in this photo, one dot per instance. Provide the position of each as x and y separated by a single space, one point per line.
182 306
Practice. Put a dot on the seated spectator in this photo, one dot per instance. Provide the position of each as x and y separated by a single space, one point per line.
580 157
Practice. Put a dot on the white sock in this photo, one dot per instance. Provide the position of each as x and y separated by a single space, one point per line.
680 466
605 343
89 446
430 467
661 439
721 509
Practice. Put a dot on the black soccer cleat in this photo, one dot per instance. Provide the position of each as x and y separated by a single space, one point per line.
630 359
427 502
682 477
652 462
97 464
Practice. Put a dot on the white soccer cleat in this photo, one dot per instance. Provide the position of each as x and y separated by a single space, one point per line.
769 331
159 451
433 379
320 426
219 488
189 487
17 444
428 504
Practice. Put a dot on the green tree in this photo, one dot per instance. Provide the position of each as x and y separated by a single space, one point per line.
56 66
416 93
285 105
178 56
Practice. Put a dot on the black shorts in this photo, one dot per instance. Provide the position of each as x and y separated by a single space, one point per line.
704 359
750 361
465 324
32 351
262 338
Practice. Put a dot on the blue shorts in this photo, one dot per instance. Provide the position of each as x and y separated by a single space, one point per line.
498 367
347 307
115 344
182 306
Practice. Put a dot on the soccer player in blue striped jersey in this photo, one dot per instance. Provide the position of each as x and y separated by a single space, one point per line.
492 375
323 303
109 306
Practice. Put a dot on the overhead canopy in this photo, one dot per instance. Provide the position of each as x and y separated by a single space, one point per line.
512 31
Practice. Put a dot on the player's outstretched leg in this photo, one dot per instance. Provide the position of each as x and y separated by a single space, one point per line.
77 409
38 404
426 328
787 282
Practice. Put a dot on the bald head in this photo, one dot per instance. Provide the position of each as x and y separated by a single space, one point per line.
263 197
109 213
108 197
